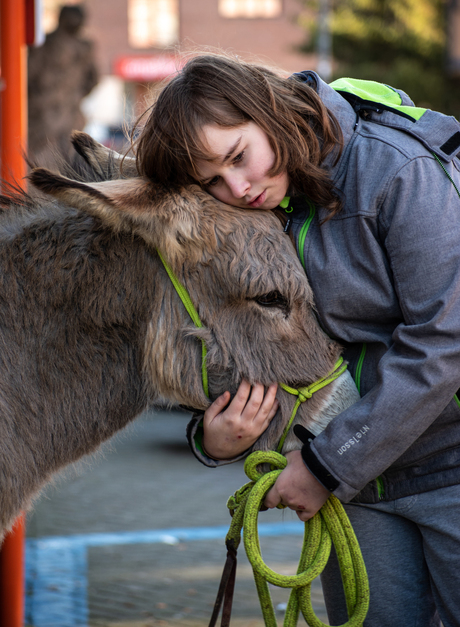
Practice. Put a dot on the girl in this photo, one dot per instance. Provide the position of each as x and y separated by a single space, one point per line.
382 254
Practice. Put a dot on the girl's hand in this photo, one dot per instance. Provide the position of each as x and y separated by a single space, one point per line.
231 431
297 488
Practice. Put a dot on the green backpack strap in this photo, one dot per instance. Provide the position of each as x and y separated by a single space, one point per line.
375 96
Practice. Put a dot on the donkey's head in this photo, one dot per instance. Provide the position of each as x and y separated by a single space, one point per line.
242 274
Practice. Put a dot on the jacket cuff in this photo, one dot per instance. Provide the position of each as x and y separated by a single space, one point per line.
311 461
195 441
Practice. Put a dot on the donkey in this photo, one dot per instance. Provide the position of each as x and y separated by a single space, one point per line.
92 332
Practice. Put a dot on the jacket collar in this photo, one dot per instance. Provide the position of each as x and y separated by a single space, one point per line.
345 116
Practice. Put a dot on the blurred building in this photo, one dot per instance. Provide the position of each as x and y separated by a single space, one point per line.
138 41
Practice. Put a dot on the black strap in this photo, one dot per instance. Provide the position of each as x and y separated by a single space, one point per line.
360 105
226 589
312 462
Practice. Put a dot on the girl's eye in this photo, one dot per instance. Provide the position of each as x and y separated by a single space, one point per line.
213 181
238 157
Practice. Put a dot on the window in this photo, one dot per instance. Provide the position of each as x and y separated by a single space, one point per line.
250 8
153 23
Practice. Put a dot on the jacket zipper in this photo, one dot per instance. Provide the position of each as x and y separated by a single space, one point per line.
359 366
304 231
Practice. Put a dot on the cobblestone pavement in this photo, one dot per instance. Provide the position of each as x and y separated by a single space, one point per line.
145 480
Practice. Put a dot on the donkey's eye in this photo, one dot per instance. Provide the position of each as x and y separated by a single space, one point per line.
272 299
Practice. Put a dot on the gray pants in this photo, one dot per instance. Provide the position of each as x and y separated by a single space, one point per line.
411 548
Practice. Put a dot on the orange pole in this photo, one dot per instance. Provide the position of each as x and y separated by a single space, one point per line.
12 586
14 92
13 141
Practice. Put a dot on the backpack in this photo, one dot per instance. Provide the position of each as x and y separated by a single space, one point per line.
385 105
439 133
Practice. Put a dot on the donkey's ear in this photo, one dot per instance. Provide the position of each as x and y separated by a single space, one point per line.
176 222
97 199
100 158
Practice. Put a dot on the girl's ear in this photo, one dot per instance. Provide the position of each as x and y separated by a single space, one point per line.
180 224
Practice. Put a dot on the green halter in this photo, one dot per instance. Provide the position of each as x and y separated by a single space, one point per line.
302 393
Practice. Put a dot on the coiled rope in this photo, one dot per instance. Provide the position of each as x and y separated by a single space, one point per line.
329 525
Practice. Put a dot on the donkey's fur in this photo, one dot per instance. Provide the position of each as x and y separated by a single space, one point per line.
92 331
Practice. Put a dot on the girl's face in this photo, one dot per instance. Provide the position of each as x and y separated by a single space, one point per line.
238 176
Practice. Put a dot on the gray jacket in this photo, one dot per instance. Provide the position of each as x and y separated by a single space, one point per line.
386 277
386 273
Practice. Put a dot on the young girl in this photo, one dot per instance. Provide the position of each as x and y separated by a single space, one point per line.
382 254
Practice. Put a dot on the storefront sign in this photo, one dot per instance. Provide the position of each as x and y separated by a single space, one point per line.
146 69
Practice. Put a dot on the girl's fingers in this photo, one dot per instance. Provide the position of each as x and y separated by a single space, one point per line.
270 398
272 498
255 402
264 405
241 397
234 409
250 403
216 407
273 411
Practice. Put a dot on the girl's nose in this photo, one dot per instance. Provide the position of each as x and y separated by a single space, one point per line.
238 186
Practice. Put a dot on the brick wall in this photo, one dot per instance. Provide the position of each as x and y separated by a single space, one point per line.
272 40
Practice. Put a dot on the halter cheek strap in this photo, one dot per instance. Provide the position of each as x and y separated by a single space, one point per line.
192 312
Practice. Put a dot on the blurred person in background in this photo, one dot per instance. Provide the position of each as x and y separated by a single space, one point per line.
61 73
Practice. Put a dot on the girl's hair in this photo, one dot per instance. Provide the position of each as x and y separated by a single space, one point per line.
228 92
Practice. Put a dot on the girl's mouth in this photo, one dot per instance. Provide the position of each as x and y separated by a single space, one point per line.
258 200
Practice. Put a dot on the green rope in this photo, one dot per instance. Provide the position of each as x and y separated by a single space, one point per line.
329 525
192 312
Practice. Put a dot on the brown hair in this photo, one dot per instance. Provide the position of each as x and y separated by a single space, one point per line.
216 89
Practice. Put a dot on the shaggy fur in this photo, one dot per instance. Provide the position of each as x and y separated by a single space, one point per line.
91 329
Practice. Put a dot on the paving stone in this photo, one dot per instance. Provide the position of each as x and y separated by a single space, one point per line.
146 479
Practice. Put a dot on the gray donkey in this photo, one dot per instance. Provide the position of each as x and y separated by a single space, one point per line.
92 331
